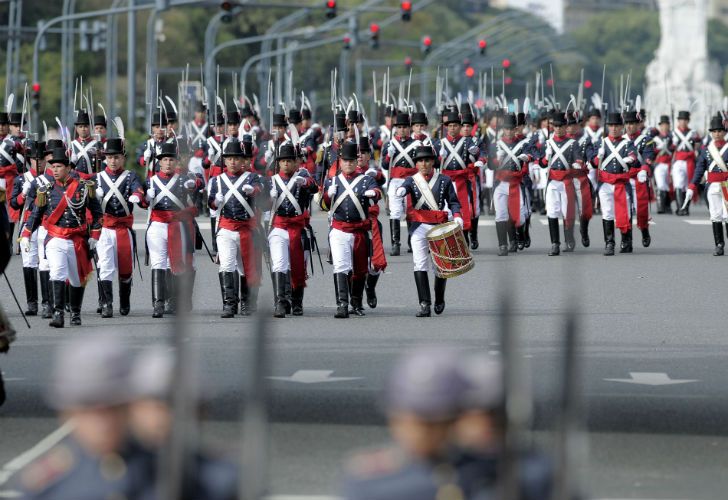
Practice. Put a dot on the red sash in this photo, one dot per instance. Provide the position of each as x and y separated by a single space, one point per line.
427 216
717 176
249 253
80 247
642 197
514 193
294 226
122 226
566 176
587 202
401 172
63 204
689 158
379 258
361 255
461 179
621 209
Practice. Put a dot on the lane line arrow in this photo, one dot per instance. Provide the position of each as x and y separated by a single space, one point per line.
650 378
313 377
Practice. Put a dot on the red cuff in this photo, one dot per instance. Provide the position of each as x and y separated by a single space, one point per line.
455 216
96 234
693 187
21 199
26 233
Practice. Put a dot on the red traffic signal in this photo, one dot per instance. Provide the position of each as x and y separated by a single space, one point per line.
408 61
482 44
406 8
36 87
374 35
506 63
374 28
347 42
587 84
469 72
549 83
508 80
426 44
331 9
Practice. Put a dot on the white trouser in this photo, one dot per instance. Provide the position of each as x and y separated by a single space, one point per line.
662 173
606 201
680 174
228 252
107 251
579 200
500 200
592 174
420 249
342 250
534 171
556 200
489 178
42 260
278 241
30 256
716 205
396 203
62 261
157 234
543 179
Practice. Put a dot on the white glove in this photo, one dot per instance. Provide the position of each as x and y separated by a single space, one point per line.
99 192
300 180
91 243
400 192
273 193
147 156
391 151
26 188
474 150
151 194
629 160
268 157
372 172
523 157
549 154
370 193
479 164
25 243
219 198
248 189
332 191
576 166
600 153
642 176
3 185
190 184
459 220
688 196
134 199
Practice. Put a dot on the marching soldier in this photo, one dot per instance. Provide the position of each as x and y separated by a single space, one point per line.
198 127
509 158
100 127
232 195
582 177
291 191
713 161
614 156
562 155
170 234
118 190
215 165
641 172
12 162
687 145
475 173
278 137
664 149
398 160
306 140
349 194
328 166
83 147
153 146
68 244
431 196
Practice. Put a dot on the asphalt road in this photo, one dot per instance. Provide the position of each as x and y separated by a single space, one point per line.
653 344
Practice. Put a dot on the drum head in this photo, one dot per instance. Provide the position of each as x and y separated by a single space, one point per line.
441 230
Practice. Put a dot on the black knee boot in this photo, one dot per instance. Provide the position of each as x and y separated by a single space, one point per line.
719 239
357 296
236 291
646 238
221 280
297 299
554 233
46 294
289 294
501 229
608 226
512 243
422 282
440 294
170 300
584 229
59 303
394 227
371 290
159 292
213 224
527 232
280 309
244 297
125 296
474 234
228 290
342 301
107 302
626 244
521 237
76 303
30 278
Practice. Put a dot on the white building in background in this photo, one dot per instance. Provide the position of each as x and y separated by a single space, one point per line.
551 11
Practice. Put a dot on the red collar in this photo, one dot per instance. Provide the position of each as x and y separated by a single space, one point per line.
594 129
111 172
349 177
719 144
453 139
164 176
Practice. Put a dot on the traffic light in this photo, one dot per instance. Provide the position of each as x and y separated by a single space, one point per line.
347 42
226 8
508 80
406 8
408 62
330 9
506 63
36 96
374 35
483 45
587 84
426 44
469 72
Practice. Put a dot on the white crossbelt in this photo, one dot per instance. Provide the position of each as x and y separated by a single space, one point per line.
425 189
216 150
233 191
113 190
403 153
558 153
717 157
349 193
663 146
285 190
511 153
614 154
595 135
200 132
453 153
83 151
684 140
5 154
164 191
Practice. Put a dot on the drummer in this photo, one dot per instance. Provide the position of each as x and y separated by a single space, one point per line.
433 200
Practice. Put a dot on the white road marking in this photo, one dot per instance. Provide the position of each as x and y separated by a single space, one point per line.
313 377
698 222
39 449
650 378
